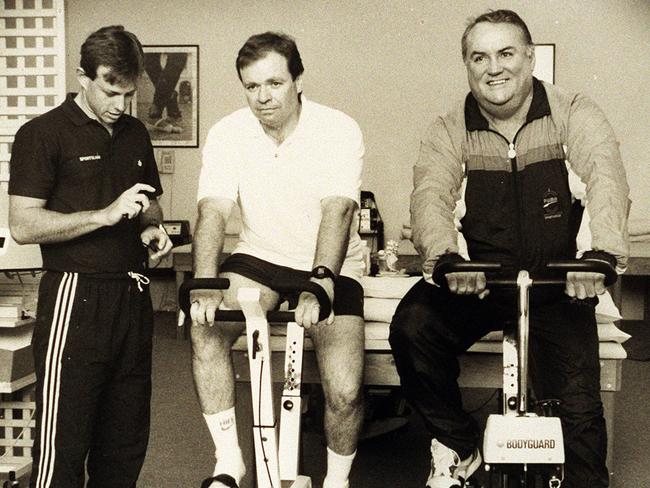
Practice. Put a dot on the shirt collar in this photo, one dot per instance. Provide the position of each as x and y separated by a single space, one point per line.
539 107
78 117
73 111
304 115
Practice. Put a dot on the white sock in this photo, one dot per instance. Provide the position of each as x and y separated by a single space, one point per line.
223 428
338 469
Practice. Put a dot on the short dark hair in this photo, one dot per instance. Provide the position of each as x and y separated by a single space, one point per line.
117 49
502 16
259 45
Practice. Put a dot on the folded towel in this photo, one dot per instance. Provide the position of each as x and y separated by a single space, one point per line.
639 227
606 309
388 286
382 294
379 309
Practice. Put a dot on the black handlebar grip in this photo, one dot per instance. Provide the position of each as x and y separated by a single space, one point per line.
237 315
585 266
558 270
308 286
443 269
198 284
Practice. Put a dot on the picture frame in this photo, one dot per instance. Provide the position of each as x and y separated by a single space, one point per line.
167 96
545 62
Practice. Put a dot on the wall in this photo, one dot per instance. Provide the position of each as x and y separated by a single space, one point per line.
391 66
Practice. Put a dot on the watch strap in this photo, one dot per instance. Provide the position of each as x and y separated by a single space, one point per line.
322 272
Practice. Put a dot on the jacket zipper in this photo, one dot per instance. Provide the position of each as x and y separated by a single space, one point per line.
512 155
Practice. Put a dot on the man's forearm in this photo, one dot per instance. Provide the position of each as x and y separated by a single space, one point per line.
42 226
207 245
334 234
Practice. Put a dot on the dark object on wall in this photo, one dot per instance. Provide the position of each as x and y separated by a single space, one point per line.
178 231
370 222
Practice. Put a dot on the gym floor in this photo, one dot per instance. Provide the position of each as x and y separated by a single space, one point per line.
181 453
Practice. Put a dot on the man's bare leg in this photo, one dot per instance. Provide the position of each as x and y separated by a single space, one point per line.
214 378
340 352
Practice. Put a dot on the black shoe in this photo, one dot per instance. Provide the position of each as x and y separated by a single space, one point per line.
225 479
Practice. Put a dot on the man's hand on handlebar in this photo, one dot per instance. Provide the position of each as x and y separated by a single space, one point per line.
308 309
582 285
204 305
468 283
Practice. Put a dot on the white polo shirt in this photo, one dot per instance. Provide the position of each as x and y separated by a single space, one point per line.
279 188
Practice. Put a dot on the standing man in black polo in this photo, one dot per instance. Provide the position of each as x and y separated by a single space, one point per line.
84 185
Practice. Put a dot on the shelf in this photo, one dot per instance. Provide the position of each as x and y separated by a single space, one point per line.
21 466
6 323
9 387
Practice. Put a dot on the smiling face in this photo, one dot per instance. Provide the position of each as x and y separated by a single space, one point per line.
271 92
499 67
106 101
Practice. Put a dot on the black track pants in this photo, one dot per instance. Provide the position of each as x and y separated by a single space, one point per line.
432 327
92 352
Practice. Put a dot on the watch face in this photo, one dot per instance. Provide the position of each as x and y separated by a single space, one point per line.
321 272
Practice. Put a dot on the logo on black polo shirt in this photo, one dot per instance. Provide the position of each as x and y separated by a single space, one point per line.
94 157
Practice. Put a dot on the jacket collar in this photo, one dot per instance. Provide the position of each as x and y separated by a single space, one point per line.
539 107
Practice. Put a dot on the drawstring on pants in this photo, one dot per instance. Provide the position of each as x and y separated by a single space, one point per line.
139 279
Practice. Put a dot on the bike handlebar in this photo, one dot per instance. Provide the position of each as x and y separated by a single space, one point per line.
556 267
237 315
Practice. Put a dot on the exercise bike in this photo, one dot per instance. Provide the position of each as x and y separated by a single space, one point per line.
519 445
277 450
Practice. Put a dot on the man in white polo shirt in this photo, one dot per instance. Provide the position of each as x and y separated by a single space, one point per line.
294 169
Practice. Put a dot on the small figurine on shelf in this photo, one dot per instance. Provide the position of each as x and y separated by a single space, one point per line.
387 258
391 255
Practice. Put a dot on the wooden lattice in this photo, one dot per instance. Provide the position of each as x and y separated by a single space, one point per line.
16 430
32 66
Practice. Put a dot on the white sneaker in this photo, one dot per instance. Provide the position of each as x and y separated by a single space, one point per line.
447 469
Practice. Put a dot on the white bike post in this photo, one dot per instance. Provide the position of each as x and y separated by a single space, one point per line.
291 408
276 466
259 359
519 437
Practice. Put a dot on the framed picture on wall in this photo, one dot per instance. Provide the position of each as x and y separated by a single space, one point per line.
167 99
545 62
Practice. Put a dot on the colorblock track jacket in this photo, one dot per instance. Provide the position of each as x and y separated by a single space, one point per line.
519 208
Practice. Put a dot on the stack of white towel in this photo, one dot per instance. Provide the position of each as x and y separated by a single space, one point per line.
639 230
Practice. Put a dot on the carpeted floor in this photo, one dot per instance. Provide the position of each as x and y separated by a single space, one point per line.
180 451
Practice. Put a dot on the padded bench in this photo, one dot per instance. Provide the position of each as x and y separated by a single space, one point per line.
481 366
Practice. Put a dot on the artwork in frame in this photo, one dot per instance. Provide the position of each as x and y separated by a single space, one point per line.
167 98
545 62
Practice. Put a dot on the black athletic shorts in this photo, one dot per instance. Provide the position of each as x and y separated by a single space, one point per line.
348 293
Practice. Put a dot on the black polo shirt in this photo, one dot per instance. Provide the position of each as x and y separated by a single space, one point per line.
72 162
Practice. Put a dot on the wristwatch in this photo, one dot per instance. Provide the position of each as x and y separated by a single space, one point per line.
321 272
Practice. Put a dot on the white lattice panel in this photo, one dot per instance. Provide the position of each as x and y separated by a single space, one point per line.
32 67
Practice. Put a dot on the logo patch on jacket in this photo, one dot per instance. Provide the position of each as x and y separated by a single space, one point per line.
551 205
